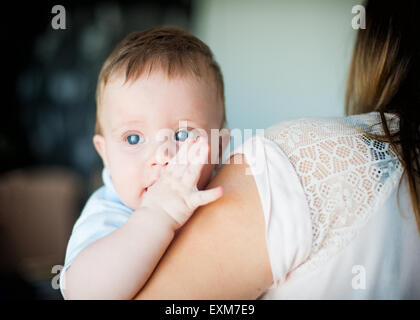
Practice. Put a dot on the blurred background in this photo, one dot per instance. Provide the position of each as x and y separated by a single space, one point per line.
281 59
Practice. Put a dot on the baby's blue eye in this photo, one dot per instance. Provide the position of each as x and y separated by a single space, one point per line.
134 139
182 135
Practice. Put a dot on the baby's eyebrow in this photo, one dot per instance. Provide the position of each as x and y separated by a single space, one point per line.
189 123
126 124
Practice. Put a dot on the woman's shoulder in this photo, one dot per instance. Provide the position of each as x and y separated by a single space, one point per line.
295 133
345 174
216 243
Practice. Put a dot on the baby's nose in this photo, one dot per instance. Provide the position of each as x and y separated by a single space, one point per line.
155 171
162 155
160 160
159 164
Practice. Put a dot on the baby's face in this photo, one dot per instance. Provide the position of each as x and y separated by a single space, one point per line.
134 118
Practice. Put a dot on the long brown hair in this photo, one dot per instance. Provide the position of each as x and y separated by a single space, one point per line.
385 77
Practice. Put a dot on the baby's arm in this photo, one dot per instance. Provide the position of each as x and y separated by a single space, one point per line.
118 265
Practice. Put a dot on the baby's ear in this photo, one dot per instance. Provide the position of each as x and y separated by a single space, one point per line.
99 143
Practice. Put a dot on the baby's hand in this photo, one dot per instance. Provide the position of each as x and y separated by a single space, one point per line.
175 192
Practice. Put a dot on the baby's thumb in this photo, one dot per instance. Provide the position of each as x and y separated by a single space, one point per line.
204 197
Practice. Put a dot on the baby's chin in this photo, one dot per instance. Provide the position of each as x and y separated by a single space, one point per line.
133 202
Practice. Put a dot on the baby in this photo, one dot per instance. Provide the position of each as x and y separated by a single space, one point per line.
159 95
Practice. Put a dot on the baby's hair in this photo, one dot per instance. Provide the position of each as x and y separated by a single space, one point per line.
171 49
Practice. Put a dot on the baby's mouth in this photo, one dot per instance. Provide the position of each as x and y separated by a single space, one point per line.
153 182
142 192
147 188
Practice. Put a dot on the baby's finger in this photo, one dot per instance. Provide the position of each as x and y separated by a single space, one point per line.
195 166
202 198
199 152
181 158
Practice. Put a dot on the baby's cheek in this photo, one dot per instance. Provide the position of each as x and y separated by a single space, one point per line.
127 177
128 191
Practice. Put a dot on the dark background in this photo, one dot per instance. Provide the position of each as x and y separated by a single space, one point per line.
51 75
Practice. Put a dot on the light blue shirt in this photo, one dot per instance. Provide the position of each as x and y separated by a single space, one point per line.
103 213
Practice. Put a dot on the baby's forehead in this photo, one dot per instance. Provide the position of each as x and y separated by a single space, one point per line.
158 95
120 79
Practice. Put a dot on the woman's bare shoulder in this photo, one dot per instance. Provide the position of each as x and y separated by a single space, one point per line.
221 251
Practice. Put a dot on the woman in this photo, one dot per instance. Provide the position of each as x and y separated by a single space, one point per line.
321 219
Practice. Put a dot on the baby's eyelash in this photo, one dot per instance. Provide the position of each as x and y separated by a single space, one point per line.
189 130
125 136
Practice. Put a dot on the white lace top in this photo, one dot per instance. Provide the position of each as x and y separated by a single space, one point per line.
329 197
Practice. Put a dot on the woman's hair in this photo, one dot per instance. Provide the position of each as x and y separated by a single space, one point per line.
385 77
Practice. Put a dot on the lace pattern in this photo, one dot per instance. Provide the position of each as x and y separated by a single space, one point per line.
345 175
